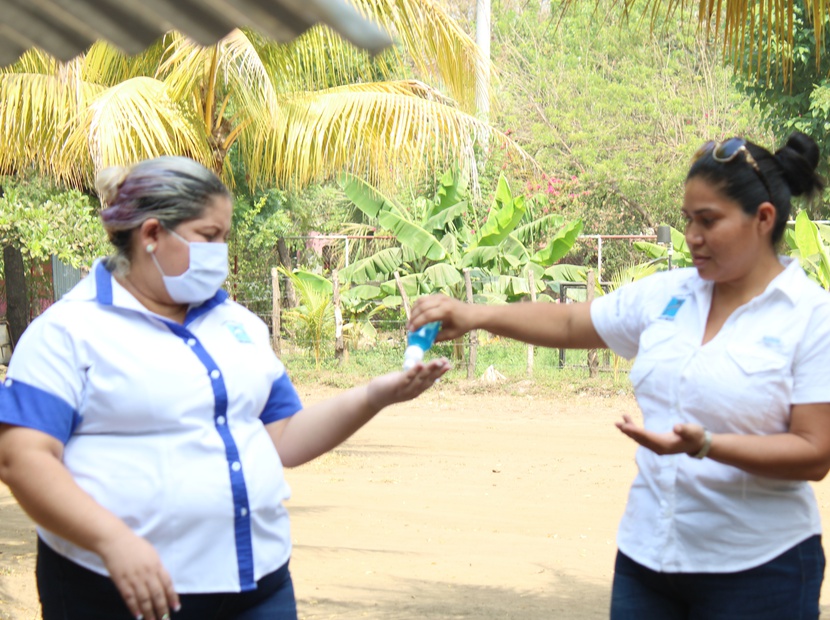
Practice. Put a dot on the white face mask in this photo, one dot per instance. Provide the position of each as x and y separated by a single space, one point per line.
207 271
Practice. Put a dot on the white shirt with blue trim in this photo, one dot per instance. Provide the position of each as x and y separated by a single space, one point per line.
689 515
164 426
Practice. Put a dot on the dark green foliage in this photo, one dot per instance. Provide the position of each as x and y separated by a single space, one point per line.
803 104
612 113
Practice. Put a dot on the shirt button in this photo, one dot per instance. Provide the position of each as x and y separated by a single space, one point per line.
236 466
220 420
191 342
214 374
244 512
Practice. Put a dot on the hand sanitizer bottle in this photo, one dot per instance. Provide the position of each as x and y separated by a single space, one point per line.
418 342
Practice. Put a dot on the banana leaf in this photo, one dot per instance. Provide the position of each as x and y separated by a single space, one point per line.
811 248
567 273
538 228
490 298
480 257
363 292
376 267
440 220
560 245
442 275
411 285
505 215
452 189
366 197
412 235
313 282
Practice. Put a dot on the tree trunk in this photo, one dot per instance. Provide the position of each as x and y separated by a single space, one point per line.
290 296
17 295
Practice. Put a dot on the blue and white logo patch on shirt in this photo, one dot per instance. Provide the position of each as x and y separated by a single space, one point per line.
672 308
238 332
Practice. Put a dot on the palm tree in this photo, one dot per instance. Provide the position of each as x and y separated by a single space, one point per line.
296 113
293 113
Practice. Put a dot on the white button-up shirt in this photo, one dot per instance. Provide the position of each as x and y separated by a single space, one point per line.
689 515
164 426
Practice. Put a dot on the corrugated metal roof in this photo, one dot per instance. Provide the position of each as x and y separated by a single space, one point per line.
64 28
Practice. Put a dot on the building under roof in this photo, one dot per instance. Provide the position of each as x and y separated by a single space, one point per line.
65 28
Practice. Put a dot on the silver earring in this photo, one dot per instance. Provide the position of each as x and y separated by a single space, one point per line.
150 248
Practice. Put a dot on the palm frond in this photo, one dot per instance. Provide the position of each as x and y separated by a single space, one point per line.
231 86
106 65
34 110
129 122
382 132
742 27
321 59
435 42
34 60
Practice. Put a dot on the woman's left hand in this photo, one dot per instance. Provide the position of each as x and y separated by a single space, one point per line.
684 438
396 387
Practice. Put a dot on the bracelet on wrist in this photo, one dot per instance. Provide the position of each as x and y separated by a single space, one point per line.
704 449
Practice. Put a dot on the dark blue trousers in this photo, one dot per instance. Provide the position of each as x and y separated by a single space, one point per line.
785 588
70 592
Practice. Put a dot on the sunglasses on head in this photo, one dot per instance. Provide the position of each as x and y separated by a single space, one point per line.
728 150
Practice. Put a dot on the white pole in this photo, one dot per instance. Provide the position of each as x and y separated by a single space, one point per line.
483 68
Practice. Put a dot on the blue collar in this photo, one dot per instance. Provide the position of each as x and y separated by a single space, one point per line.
103 293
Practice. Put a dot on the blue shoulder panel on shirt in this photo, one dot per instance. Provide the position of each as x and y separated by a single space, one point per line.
283 402
22 404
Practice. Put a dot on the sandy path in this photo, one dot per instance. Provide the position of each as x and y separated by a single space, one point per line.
458 505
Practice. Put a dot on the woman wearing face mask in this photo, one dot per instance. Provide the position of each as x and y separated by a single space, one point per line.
731 375
145 420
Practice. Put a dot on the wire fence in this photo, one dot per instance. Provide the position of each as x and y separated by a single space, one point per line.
378 342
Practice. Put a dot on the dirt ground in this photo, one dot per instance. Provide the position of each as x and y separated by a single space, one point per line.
467 503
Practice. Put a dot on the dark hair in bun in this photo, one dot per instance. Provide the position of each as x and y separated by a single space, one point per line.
790 172
798 160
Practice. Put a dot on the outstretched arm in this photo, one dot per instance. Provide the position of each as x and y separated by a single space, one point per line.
566 326
802 453
323 426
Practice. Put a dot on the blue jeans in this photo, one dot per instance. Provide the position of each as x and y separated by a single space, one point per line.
785 588
71 592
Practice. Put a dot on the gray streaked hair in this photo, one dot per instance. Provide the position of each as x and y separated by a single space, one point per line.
170 189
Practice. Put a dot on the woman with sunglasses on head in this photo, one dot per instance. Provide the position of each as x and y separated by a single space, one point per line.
731 375
145 420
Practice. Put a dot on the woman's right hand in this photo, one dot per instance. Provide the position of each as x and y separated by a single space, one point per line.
136 569
456 317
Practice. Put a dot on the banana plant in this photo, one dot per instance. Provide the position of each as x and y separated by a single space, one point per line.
313 318
807 243
438 241
681 255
